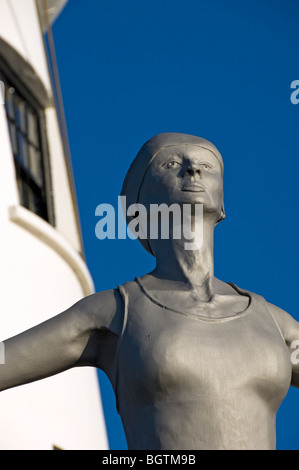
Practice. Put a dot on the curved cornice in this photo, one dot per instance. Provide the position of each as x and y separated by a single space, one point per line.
12 62
48 235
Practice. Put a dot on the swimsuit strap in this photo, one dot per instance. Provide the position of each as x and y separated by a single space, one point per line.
125 299
241 291
274 319
268 309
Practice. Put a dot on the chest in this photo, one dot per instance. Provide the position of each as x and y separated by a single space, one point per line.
166 356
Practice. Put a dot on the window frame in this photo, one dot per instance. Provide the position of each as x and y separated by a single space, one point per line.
11 79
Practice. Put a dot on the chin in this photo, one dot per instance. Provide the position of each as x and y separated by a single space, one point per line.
192 197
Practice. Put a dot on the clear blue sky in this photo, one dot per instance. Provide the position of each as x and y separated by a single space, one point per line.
222 70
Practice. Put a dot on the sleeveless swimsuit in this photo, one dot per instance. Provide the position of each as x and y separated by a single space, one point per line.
184 381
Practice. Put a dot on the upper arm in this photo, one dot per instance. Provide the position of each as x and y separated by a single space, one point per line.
290 331
102 310
61 342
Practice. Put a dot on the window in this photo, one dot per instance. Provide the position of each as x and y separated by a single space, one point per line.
28 140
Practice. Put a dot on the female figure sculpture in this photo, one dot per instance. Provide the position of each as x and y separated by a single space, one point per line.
195 363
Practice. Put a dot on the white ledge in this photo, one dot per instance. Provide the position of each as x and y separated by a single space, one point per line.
49 235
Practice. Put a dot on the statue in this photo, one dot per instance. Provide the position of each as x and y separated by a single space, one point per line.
195 362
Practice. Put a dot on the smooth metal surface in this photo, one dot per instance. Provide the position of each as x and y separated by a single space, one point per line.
195 363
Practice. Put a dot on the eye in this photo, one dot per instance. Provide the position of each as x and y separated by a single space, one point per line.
205 165
173 164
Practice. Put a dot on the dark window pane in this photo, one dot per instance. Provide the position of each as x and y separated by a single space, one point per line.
22 192
20 113
33 130
33 203
9 92
35 165
13 138
22 150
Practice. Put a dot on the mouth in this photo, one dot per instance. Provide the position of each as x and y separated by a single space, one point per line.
193 188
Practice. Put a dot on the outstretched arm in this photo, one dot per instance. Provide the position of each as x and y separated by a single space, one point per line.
60 343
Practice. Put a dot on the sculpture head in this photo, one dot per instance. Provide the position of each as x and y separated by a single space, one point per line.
176 168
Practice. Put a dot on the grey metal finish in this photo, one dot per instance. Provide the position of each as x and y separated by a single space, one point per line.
189 382
196 363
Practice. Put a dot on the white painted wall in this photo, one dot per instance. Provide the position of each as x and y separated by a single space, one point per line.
19 26
63 205
41 274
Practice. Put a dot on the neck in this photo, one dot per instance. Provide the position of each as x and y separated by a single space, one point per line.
194 267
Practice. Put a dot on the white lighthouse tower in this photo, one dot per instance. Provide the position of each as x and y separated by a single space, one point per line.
42 266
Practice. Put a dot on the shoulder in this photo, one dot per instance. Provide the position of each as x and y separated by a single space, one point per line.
288 325
104 310
290 330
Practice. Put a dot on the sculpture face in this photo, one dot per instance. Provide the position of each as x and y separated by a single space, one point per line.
148 183
184 174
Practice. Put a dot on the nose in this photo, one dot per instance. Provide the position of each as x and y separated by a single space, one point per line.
192 169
